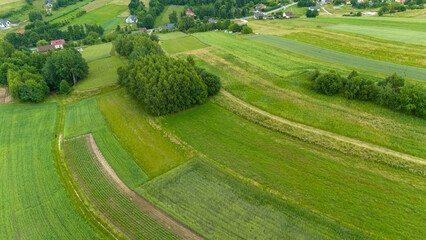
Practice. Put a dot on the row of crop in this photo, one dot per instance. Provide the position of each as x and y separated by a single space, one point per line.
70 16
103 192
68 10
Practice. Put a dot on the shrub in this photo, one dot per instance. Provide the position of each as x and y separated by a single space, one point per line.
212 82
64 87
246 30
328 84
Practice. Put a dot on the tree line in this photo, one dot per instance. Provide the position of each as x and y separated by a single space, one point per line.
393 92
163 84
146 17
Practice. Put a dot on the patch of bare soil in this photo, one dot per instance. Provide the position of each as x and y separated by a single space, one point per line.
139 201
5 96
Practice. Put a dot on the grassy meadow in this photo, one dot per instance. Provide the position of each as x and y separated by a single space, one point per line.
172 35
85 117
7 5
34 203
182 44
66 10
96 52
380 201
102 72
163 18
101 16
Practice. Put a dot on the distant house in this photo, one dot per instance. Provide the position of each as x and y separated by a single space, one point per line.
190 13
261 6
369 13
43 49
211 20
288 15
314 8
4 23
252 10
20 31
58 43
49 3
131 19
258 14
168 26
328 1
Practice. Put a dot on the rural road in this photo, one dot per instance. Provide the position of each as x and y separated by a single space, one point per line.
275 10
325 10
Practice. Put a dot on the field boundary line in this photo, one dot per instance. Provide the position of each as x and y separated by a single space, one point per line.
370 148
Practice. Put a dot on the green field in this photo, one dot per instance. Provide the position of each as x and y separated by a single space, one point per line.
102 72
341 58
112 23
96 52
172 35
67 10
135 131
84 117
120 209
381 201
101 16
163 18
34 204
7 5
220 206
393 34
183 44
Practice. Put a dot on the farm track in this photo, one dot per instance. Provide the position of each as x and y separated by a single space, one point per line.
5 96
154 212
337 137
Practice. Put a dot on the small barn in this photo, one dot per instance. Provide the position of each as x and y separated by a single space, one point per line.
288 15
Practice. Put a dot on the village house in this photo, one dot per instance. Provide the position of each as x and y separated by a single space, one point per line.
131 19
20 31
142 29
49 3
58 43
43 49
288 15
4 23
190 13
315 8
261 6
168 26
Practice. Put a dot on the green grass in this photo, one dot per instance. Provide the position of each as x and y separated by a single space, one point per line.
102 192
220 206
275 80
381 201
341 58
69 9
172 35
96 52
101 15
33 201
67 17
184 44
102 72
405 36
163 18
131 125
297 11
7 5
85 117
112 23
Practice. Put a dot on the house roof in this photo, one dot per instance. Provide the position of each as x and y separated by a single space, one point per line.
189 12
289 14
168 26
314 8
131 17
4 22
261 6
43 49
142 29
57 42
20 31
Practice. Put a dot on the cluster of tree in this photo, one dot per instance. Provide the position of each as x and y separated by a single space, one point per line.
50 31
312 13
306 3
35 15
146 17
188 24
26 86
163 84
392 92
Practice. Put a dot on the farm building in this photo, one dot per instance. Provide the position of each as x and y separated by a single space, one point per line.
190 13
314 8
49 3
288 15
131 19
5 23
58 43
261 6
43 49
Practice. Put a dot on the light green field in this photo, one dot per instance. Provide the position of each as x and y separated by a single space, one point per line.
96 52
108 198
381 201
220 206
163 18
102 72
400 35
7 5
67 17
84 117
172 35
275 81
112 23
67 10
297 11
101 15
131 125
341 58
183 44
34 204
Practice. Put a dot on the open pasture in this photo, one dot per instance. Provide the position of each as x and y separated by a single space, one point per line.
83 118
172 35
163 18
7 5
341 58
221 206
348 190
67 10
405 36
101 15
183 44
96 52
102 72
112 23
34 204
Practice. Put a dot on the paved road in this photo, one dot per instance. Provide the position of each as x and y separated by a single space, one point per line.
275 10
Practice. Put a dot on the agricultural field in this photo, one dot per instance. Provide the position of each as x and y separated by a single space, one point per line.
102 72
297 11
67 10
85 117
163 18
7 5
102 16
221 206
34 203
172 35
96 52
349 190
182 44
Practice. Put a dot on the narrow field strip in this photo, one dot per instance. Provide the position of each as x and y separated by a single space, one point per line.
131 214
341 58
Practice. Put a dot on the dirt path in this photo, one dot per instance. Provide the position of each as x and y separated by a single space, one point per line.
144 205
5 96
325 133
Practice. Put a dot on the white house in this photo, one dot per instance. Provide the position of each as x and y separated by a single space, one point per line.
4 23
131 19
314 8
48 3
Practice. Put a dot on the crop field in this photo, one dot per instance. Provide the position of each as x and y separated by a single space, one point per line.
151 150
102 72
112 23
34 204
220 206
7 5
172 35
393 34
67 17
361 46
119 206
96 52
341 58
85 117
67 10
183 44
348 190
163 18
101 15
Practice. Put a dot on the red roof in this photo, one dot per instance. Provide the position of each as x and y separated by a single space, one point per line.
57 42
43 49
142 29
189 12
20 31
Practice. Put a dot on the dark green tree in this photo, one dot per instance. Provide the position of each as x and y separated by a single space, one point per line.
173 17
64 87
328 84
34 16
